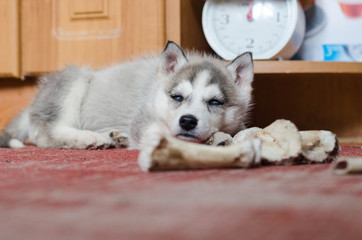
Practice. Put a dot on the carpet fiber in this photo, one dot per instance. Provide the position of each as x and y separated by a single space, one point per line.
75 194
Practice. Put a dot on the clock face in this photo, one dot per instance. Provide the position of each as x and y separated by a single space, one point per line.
262 27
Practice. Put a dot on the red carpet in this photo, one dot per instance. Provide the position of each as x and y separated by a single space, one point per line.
74 194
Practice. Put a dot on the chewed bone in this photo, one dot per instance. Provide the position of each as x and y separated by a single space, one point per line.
283 144
346 165
319 146
280 143
174 154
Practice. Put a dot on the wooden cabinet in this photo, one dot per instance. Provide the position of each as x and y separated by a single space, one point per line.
92 32
45 35
9 38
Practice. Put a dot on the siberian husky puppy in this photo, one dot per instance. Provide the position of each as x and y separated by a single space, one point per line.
188 96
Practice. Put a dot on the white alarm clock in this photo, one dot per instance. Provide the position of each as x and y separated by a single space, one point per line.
270 29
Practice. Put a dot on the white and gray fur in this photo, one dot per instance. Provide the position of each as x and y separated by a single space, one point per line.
187 96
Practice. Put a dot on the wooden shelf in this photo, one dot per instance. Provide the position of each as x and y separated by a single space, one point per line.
183 25
307 67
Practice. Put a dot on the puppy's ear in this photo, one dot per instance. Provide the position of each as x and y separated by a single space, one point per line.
242 69
172 58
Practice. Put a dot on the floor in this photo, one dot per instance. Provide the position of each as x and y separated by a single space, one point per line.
75 194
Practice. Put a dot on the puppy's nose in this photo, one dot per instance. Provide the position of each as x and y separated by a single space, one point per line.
188 122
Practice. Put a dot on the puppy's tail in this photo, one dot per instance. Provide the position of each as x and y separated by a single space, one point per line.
15 133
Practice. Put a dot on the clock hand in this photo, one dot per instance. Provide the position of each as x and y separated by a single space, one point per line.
250 13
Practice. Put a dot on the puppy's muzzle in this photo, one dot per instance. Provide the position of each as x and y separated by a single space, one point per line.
188 122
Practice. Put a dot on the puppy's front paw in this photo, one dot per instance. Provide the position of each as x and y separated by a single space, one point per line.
89 140
120 139
219 139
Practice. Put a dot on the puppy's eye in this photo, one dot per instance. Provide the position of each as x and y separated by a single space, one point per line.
177 98
215 102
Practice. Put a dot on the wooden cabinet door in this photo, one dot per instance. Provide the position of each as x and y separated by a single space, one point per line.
96 33
9 38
